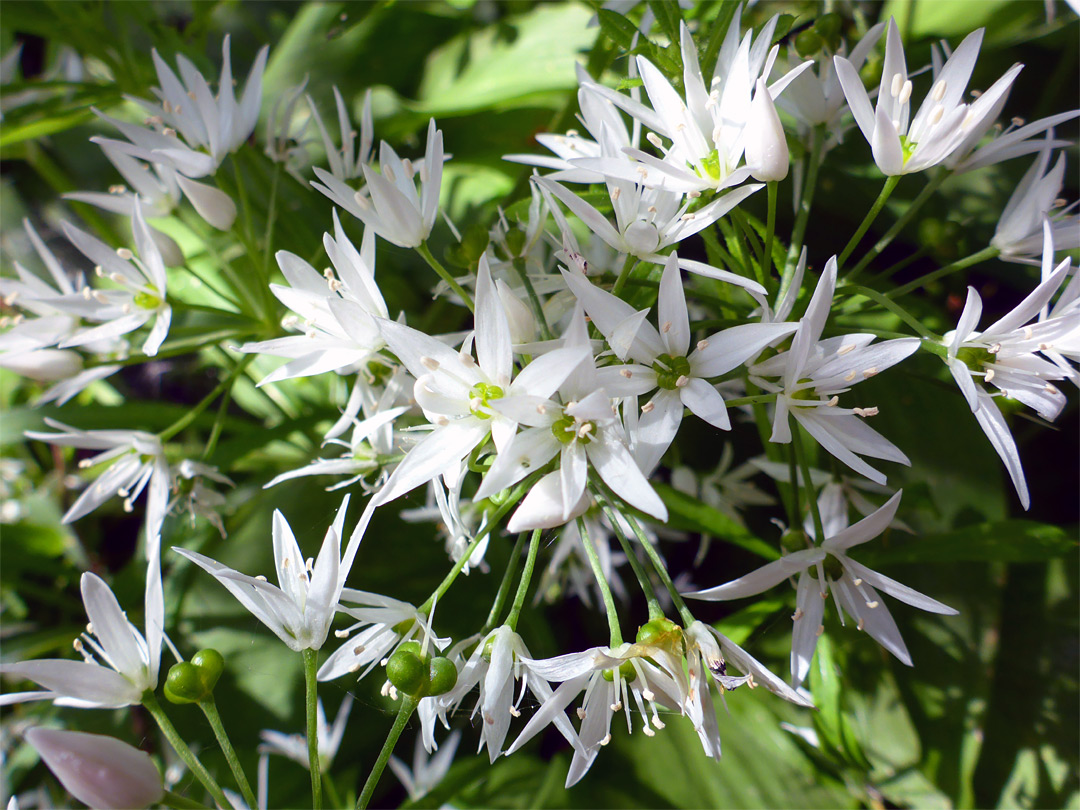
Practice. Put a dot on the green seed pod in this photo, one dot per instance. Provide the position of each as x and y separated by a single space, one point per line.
515 240
626 672
828 27
443 676
406 672
489 647
184 684
656 631
210 664
794 540
808 43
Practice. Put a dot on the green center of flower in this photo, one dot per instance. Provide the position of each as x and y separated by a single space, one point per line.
480 395
833 569
147 300
669 369
626 672
804 393
566 429
974 357
710 165
907 147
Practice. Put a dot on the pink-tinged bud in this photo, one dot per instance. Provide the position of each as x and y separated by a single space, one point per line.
766 145
213 205
98 770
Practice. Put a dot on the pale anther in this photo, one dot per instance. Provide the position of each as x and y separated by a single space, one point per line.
939 90
897 84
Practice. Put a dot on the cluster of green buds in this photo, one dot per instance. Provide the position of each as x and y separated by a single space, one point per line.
194 681
418 675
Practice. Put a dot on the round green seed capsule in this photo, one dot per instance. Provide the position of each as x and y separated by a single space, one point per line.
443 676
406 672
656 631
184 684
808 43
210 664
626 672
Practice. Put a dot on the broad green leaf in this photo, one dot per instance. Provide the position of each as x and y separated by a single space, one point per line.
487 69
1003 541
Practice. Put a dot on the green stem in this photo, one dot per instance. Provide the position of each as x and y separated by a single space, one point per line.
504 586
534 299
804 467
752 400
893 307
182 750
770 227
912 209
794 512
408 706
332 794
271 218
526 578
311 668
209 708
798 232
655 611
191 415
740 219
624 274
601 581
179 802
661 570
961 264
871 215
444 274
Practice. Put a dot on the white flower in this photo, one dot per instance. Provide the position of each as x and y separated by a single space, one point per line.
426 772
294 746
300 609
943 122
663 361
392 207
348 160
814 372
138 459
97 769
1004 355
140 296
464 396
130 659
337 311
1019 232
853 587
708 128
1014 141
584 431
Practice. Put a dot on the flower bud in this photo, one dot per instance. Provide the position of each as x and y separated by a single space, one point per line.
213 205
407 672
766 145
183 684
99 770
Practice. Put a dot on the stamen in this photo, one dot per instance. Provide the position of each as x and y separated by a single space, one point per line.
870 372
849 376
897 84
654 139
832 402
581 713
647 407
905 93
430 363
682 382
937 114
260 577
939 90
626 373
665 327
865 412
341 633
989 375
848 347
702 345
616 192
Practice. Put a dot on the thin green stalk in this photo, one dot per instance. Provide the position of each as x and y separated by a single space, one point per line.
408 706
601 582
661 570
798 232
534 299
240 288
193 414
624 274
214 289
655 611
311 667
912 209
751 400
526 578
739 218
444 274
718 256
770 227
871 215
209 708
332 794
182 750
961 264
271 219
893 269
794 512
893 307
179 802
804 467
504 586
241 189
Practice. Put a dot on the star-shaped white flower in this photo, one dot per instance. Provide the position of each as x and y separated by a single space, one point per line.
853 586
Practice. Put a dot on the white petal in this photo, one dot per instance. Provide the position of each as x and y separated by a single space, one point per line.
706 403
617 467
213 205
810 607
762 579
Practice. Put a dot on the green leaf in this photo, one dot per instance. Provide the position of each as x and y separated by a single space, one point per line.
617 28
668 15
690 514
1001 541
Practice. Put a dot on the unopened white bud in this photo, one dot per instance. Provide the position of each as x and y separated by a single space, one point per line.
766 146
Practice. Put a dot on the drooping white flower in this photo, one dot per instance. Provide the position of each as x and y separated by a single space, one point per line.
97 769
662 360
427 770
1004 355
814 372
129 661
138 460
294 746
854 587
301 607
1019 232
390 204
902 144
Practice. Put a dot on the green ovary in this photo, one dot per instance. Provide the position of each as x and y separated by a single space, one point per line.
669 369
974 357
480 395
147 300
566 429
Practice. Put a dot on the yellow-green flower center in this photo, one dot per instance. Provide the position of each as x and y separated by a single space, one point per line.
480 395
669 369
